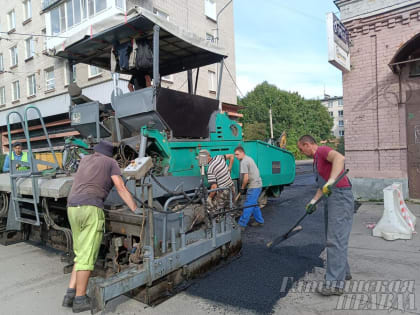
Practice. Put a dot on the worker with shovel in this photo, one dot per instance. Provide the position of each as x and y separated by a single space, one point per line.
338 211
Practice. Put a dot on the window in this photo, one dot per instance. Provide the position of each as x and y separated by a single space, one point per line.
27 8
210 9
340 113
11 17
2 95
1 63
340 102
30 50
331 114
69 7
16 91
66 73
14 56
55 21
341 123
62 18
341 133
330 104
100 5
120 4
210 38
77 11
161 14
94 71
49 79
212 81
31 85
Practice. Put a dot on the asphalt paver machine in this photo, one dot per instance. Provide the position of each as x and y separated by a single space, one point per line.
158 134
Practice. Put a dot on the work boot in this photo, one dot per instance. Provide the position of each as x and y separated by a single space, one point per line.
257 224
329 291
81 304
69 297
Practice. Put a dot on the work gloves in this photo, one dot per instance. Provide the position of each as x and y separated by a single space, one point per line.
242 191
326 189
311 206
210 202
138 211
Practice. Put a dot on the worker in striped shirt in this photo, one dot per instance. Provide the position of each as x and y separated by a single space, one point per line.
218 175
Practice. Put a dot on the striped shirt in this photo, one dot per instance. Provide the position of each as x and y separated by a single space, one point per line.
218 172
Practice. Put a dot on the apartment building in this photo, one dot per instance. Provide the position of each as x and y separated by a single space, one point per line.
335 109
29 75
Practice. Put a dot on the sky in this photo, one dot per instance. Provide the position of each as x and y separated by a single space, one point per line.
284 42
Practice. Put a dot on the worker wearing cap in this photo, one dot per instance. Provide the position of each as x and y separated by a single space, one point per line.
17 155
96 175
338 211
251 185
218 176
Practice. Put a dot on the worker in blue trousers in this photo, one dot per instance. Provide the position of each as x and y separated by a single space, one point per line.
251 184
18 155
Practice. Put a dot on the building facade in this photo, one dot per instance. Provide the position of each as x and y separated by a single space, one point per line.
30 76
382 95
336 110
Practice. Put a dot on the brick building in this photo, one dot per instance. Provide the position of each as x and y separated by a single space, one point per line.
382 95
28 76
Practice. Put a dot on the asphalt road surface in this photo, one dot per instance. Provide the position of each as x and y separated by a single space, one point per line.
254 281
32 280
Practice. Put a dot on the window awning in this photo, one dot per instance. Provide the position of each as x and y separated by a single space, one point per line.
179 50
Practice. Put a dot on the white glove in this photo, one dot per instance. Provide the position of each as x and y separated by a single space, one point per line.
210 201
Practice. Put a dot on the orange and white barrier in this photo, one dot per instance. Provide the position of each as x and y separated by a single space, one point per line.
397 221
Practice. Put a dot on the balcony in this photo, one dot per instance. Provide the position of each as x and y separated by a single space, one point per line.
46 4
64 18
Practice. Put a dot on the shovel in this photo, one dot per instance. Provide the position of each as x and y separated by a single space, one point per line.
297 228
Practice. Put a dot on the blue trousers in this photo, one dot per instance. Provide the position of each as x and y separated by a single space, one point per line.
251 199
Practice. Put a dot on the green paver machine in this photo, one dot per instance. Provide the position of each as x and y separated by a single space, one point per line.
163 130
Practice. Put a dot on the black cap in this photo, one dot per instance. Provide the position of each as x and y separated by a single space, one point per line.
17 143
104 147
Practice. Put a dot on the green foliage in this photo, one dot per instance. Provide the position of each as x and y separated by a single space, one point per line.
255 131
341 146
291 112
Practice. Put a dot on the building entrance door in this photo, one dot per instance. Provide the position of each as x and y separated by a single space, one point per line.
413 144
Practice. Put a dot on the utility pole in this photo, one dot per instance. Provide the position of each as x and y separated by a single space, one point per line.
271 123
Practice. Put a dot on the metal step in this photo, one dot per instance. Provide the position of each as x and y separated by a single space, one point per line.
29 221
28 200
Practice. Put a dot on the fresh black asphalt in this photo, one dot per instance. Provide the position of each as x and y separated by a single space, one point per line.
255 281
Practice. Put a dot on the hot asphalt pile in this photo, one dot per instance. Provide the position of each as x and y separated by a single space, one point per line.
254 281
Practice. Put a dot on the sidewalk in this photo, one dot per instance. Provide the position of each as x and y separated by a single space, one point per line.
371 260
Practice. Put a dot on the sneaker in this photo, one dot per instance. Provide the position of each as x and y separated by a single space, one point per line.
348 277
68 300
330 291
257 224
81 304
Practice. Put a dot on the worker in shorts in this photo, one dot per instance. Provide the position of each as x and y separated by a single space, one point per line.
96 175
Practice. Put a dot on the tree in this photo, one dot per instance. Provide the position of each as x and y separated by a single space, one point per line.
255 131
291 112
